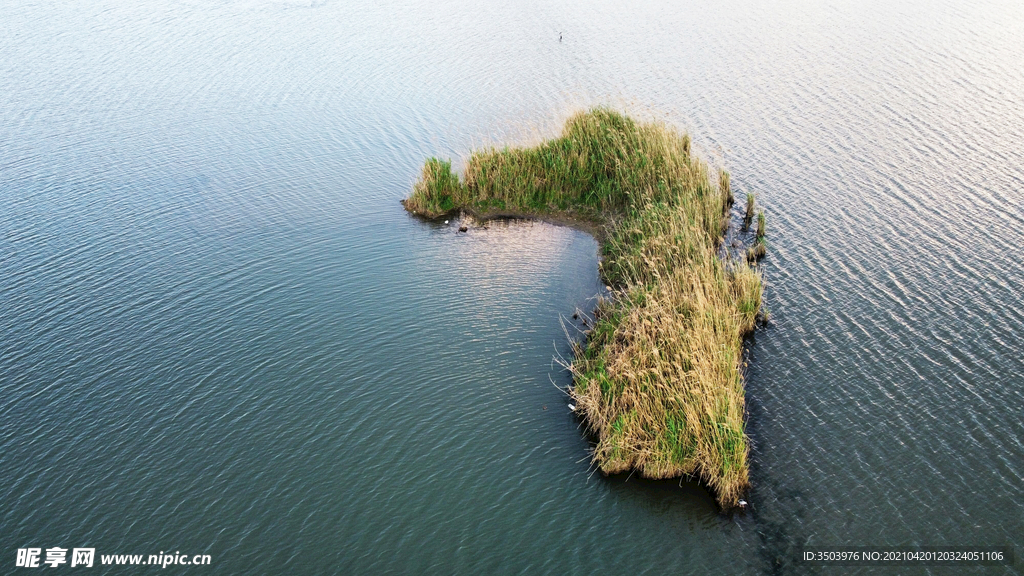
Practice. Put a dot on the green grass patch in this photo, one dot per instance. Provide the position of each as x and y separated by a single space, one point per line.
658 379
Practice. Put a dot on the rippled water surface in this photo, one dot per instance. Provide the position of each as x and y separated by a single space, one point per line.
220 333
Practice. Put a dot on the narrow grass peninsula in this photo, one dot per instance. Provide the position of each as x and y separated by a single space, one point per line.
658 380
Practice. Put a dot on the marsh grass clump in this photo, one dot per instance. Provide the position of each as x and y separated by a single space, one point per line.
602 165
438 190
726 190
757 251
748 217
658 380
760 225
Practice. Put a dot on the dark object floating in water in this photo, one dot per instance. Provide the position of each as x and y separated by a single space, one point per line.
463 228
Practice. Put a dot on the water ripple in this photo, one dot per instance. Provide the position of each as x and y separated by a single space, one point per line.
220 333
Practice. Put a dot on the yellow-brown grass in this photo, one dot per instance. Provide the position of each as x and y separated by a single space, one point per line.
659 379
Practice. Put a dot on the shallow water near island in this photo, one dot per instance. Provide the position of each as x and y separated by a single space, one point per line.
221 334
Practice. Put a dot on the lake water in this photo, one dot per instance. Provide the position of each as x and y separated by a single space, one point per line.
221 334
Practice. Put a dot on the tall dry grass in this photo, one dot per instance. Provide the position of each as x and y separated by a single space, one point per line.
659 379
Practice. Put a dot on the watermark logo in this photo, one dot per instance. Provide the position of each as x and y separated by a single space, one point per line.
30 557
56 556
84 557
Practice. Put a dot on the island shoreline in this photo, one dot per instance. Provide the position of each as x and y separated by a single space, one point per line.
659 380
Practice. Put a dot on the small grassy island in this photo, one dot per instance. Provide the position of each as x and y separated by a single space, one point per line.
658 380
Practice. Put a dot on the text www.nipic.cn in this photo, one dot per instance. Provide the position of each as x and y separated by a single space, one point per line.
85 557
